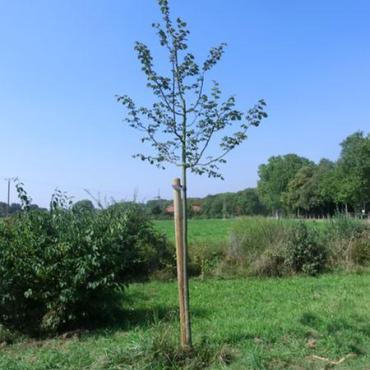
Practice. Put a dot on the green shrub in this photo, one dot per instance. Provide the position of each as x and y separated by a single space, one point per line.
64 267
304 252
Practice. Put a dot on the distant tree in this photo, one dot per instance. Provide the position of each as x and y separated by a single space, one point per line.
353 171
310 191
302 195
184 119
248 203
84 205
275 177
3 208
325 181
241 203
213 206
154 207
157 207
35 207
14 208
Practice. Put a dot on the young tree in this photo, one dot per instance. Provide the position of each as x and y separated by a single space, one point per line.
184 119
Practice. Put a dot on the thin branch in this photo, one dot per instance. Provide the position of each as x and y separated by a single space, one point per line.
199 95
208 140
216 159
165 99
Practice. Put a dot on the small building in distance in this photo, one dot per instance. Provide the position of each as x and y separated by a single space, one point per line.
170 209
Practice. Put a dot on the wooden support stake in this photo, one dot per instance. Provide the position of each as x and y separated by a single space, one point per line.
185 336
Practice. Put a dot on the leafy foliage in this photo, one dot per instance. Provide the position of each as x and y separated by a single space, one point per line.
300 186
182 122
275 177
311 190
63 267
25 201
353 172
305 253
242 203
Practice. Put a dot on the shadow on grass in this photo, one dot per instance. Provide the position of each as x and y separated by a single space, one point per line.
311 320
126 319
357 324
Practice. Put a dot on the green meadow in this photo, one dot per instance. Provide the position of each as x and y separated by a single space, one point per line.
288 323
200 230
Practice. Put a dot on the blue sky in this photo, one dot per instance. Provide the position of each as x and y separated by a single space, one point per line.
63 61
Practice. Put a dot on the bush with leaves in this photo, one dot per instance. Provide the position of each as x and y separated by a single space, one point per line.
64 267
304 251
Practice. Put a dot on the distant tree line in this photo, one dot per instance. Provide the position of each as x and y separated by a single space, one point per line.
288 185
223 205
292 185
14 208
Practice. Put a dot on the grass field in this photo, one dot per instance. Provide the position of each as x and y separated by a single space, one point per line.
212 231
200 231
279 323
266 323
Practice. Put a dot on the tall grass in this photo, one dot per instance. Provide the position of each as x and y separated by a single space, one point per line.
267 247
281 247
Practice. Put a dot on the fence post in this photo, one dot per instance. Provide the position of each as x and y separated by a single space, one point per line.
180 262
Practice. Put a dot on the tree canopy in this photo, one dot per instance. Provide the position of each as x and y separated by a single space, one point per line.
300 186
275 176
353 171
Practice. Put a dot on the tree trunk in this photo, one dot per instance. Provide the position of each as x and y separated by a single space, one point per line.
277 216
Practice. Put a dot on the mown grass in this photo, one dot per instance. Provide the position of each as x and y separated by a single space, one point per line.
266 323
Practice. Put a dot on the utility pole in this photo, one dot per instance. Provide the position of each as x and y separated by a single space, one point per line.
9 180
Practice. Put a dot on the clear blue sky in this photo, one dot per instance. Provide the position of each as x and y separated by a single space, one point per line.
63 61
